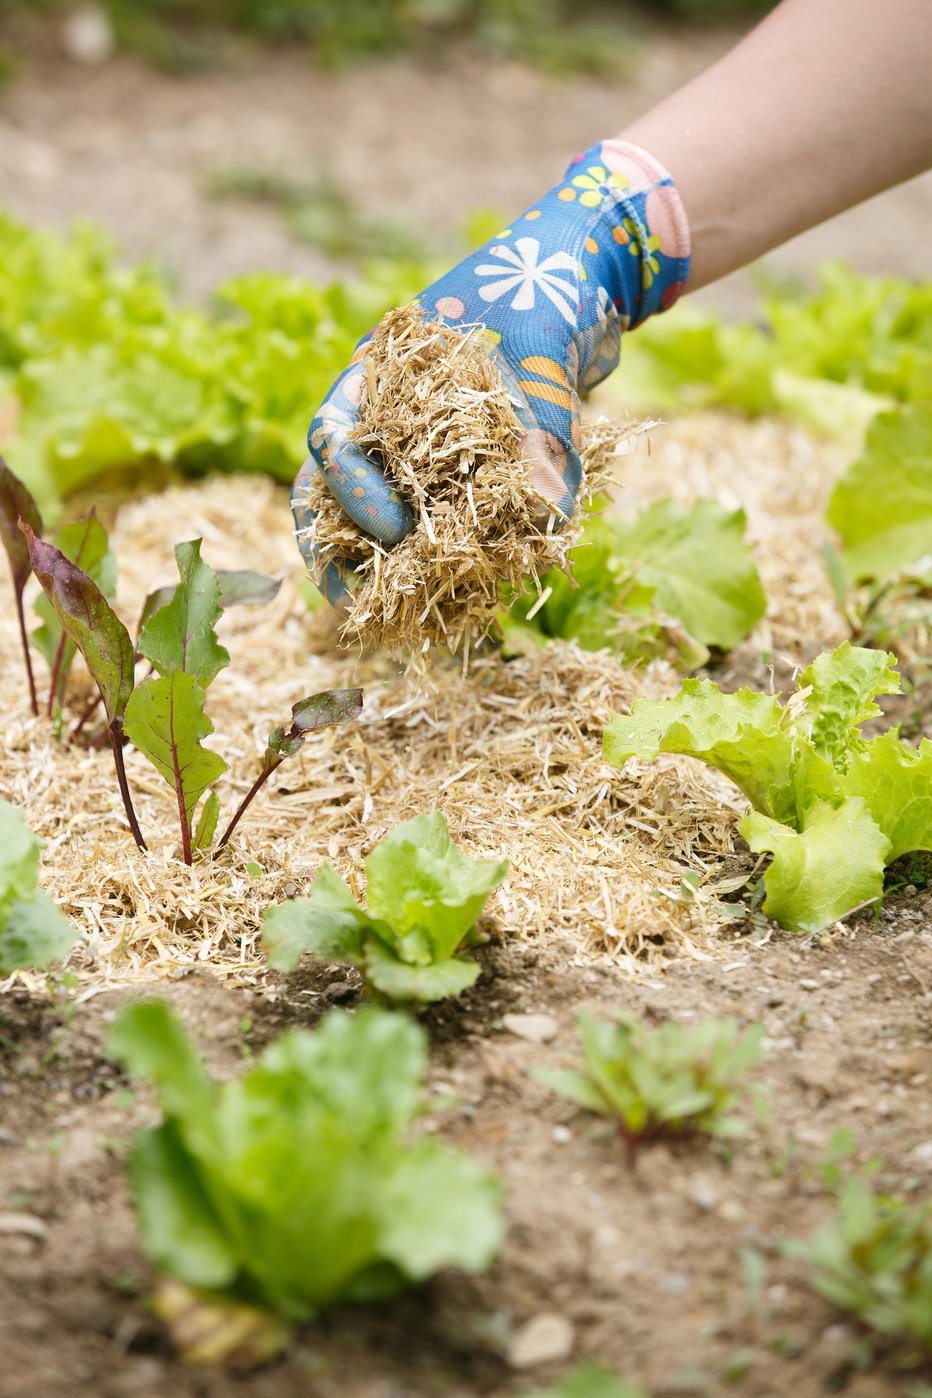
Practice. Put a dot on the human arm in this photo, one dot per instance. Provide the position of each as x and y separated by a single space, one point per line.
824 104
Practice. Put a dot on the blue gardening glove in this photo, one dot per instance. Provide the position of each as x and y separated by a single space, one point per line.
598 254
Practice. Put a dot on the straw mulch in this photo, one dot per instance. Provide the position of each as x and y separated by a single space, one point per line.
511 752
434 408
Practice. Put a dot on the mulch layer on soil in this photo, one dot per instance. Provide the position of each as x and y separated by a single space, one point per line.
670 1272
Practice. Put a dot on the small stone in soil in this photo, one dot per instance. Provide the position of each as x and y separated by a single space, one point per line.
536 1029
544 1339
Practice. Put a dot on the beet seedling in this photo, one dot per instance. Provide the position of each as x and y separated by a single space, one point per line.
16 503
164 715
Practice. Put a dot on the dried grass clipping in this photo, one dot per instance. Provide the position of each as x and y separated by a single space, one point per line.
435 409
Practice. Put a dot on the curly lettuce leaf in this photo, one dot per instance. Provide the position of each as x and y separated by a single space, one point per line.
697 563
743 735
844 684
894 781
638 580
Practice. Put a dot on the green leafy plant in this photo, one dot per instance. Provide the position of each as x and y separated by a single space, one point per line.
164 715
590 1381
424 897
873 1259
100 371
832 358
670 579
882 576
297 1186
832 807
675 1081
33 929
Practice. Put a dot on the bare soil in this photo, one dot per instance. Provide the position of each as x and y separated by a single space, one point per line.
650 1265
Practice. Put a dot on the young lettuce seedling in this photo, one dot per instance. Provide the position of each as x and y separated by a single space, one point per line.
675 1081
424 897
873 1259
33 929
295 1186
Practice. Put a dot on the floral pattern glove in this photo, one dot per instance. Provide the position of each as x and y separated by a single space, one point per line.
598 254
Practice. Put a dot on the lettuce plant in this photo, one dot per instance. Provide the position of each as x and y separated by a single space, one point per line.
667 580
297 1185
424 897
832 807
677 1080
873 1259
33 929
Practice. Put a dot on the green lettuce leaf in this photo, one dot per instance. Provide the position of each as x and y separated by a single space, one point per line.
819 874
33 929
832 807
741 734
894 781
424 899
295 1184
698 564
400 981
668 581
329 923
427 890
886 529
844 684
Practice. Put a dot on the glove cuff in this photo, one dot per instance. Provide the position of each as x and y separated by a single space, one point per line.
647 229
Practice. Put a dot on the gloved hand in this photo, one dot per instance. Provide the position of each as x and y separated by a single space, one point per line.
600 252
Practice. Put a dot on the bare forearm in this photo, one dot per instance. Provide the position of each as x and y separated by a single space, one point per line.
824 104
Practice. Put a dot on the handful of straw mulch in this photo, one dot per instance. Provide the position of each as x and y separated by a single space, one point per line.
435 411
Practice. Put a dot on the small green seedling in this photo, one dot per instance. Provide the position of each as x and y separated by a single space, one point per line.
295 1186
424 897
33 929
832 807
590 1381
674 1081
873 1259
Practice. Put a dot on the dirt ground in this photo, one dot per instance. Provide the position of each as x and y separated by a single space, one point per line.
671 1272
133 150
